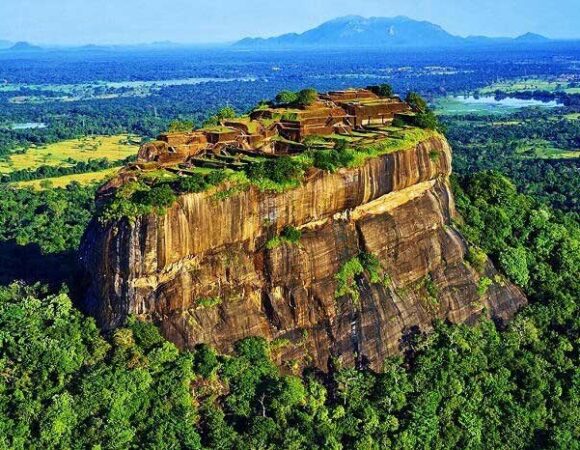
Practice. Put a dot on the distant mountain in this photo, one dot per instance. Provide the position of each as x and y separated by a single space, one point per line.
379 32
531 38
23 47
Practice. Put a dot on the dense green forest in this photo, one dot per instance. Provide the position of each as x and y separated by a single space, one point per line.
64 385
531 146
40 232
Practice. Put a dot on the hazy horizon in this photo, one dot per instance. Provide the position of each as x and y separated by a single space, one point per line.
76 22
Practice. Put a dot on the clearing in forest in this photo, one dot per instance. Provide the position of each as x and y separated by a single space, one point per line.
66 153
64 181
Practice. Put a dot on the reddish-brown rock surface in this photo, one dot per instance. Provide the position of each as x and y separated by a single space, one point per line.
397 207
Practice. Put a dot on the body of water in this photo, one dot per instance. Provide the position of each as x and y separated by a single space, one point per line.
508 102
486 104
28 125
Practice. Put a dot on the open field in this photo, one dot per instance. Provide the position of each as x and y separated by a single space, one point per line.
531 84
572 116
64 181
65 153
540 148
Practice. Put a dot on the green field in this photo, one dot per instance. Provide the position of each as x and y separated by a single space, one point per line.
531 84
64 181
451 106
540 148
66 153
572 116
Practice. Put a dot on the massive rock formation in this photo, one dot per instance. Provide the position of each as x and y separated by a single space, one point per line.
204 274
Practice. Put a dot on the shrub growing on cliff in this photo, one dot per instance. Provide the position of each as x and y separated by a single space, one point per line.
193 183
373 267
357 266
122 204
477 258
286 97
282 169
483 285
274 173
416 102
216 177
208 302
136 199
424 117
382 90
346 279
158 197
331 160
289 235
427 120
306 97
300 99
178 126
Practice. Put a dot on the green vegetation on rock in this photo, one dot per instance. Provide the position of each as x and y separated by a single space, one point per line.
351 270
299 99
289 235
382 90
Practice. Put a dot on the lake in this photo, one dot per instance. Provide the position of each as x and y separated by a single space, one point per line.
486 104
28 125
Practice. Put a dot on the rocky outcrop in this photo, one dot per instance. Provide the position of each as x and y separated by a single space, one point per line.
204 273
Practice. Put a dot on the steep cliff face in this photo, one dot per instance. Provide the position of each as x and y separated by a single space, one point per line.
204 273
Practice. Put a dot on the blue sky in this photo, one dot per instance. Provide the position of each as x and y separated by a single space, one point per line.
205 21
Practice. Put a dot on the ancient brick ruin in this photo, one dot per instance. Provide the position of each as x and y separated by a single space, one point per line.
272 130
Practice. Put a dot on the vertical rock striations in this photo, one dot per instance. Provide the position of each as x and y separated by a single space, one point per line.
204 273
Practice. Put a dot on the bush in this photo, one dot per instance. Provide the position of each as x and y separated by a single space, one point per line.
286 97
426 120
227 112
289 235
193 183
205 361
282 169
216 177
177 126
256 170
477 258
160 196
382 90
514 263
416 102
483 285
331 160
306 97
346 279
208 302
398 122
279 170
255 349
373 267
434 155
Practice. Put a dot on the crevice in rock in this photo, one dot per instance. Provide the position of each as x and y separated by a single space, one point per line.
270 311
